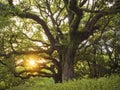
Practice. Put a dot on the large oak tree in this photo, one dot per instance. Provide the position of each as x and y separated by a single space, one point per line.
66 24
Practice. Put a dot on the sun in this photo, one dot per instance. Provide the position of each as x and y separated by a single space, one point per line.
32 62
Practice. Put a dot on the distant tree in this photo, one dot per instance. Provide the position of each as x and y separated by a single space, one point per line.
99 51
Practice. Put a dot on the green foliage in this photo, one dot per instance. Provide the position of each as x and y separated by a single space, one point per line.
57 18
7 79
109 83
4 21
7 10
2 85
37 82
81 69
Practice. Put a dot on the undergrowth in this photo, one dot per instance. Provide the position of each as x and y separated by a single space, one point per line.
105 83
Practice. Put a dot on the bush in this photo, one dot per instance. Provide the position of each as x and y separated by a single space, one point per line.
2 85
109 83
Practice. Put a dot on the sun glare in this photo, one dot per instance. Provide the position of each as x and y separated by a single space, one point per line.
41 61
32 62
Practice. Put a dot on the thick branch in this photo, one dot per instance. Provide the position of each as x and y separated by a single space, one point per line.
76 15
106 12
66 2
92 23
82 3
38 20
10 2
41 22
23 53
74 7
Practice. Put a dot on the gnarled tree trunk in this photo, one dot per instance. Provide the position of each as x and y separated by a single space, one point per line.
68 68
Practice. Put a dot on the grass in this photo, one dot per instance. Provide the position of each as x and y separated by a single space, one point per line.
109 83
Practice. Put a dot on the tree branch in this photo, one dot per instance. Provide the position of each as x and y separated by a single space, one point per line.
10 2
82 3
41 22
3 63
42 74
66 2
106 12
35 40
23 53
38 20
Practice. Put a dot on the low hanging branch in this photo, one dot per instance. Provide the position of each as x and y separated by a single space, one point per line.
23 53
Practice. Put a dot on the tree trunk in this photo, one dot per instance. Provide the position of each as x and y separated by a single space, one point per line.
58 76
68 69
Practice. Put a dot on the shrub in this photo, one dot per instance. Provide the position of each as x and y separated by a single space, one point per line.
109 83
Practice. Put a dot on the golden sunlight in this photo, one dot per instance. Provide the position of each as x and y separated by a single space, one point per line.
32 62
41 61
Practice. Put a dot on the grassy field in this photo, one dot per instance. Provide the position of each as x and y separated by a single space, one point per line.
109 83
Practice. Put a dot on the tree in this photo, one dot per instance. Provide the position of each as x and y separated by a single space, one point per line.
98 56
68 24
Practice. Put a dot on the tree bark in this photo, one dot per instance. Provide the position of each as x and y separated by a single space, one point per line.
58 76
68 68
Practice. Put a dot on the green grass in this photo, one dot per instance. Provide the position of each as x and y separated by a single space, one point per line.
110 83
